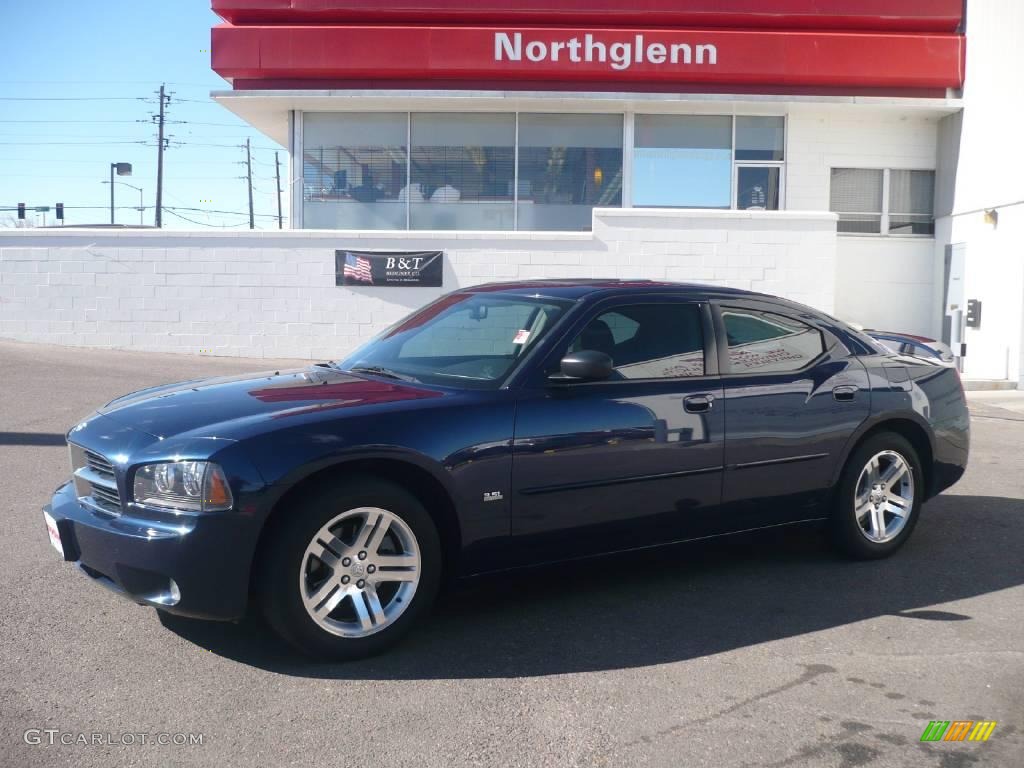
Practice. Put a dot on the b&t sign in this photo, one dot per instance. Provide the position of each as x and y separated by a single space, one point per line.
396 269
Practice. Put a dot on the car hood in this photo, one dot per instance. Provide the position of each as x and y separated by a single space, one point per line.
207 404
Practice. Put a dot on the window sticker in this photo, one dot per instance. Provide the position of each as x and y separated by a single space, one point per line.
521 337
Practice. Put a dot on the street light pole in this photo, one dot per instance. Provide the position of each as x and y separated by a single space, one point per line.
123 169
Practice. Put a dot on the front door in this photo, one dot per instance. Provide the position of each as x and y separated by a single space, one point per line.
631 460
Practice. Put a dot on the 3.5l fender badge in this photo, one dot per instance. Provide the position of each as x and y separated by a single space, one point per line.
493 496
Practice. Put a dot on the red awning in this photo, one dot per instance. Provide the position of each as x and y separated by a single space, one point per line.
880 15
495 54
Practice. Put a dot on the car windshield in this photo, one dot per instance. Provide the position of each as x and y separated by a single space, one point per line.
469 340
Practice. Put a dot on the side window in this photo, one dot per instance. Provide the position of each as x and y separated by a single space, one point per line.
648 341
763 342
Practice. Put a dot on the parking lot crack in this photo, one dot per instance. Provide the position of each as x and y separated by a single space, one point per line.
811 671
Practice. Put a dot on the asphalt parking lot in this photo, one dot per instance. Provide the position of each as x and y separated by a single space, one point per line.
761 650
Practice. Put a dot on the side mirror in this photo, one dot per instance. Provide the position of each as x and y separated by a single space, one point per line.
586 365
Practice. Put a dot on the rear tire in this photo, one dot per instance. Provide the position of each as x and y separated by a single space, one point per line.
350 569
878 499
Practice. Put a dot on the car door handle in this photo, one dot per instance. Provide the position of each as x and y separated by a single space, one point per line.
844 393
698 403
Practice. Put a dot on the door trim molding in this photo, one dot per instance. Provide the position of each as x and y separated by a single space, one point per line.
616 481
784 460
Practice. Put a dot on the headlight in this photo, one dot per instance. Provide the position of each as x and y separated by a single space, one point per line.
193 486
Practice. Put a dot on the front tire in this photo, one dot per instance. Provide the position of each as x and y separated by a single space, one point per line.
350 569
879 498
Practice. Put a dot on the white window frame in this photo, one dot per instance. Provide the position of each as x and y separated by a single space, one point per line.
780 164
885 212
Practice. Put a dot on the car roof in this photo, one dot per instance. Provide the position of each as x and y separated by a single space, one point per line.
575 289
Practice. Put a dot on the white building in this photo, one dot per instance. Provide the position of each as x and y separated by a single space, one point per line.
846 159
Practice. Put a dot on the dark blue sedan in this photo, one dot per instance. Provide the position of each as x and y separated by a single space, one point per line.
499 427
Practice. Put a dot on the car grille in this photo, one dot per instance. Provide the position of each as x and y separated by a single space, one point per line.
99 465
95 482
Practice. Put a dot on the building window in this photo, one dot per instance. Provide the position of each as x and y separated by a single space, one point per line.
462 173
354 168
757 187
911 202
568 165
692 161
542 172
761 139
760 151
860 197
683 161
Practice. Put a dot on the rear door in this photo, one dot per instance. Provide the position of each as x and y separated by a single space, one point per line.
793 397
629 461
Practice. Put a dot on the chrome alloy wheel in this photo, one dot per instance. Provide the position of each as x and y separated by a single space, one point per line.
884 497
360 572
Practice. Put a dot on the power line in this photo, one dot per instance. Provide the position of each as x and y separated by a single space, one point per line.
223 146
67 143
108 82
216 125
149 207
229 213
203 223
72 98
68 122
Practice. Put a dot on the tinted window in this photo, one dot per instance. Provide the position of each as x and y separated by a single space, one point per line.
648 341
762 342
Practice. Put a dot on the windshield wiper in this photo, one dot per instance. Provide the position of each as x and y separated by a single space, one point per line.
377 370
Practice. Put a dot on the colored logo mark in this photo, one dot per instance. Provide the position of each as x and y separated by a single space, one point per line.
958 730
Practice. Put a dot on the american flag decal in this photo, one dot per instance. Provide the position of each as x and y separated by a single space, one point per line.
358 268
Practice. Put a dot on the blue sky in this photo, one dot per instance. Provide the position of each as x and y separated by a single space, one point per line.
77 92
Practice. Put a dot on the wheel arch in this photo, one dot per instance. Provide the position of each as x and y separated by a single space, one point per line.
428 489
911 430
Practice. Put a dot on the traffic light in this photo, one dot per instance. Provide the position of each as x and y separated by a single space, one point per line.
21 211
60 211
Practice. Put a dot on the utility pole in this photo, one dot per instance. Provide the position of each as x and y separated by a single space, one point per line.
248 173
160 159
277 174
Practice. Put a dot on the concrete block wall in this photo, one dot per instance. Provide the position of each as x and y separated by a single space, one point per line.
272 294
883 282
888 284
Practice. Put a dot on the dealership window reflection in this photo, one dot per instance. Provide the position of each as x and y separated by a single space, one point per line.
709 161
683 161
568 165
459 171
354 168
463 170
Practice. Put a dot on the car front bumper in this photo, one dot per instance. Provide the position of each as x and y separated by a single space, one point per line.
197 566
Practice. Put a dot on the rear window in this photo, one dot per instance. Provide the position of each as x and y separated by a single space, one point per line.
764 342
